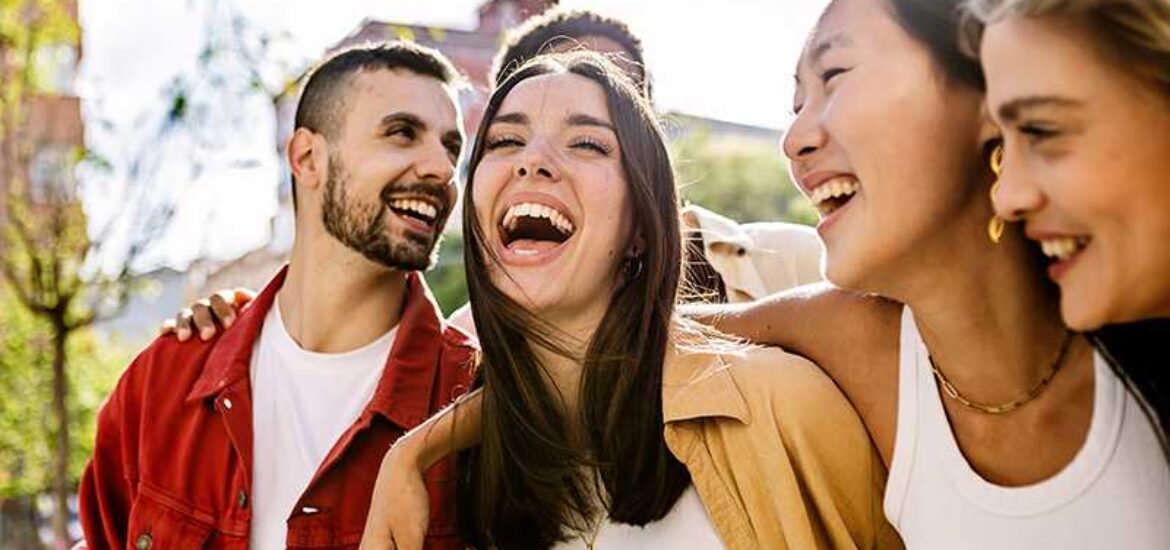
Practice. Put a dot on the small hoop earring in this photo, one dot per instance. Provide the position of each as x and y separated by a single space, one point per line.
996 225
632 267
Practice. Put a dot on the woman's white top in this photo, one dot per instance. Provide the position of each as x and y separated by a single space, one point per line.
1114 494
685 526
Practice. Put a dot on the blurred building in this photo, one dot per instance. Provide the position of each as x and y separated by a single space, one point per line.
52 130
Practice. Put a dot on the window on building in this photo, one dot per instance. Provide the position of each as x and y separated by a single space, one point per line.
51 174
56 68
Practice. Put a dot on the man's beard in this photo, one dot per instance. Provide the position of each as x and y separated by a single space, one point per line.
362 226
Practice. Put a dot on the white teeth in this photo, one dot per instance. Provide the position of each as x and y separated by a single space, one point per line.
533 210
836 187
424 209
1062 248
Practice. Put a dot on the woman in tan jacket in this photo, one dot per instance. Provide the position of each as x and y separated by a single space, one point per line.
604 420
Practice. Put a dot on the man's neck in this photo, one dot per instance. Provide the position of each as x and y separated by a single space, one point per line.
334 300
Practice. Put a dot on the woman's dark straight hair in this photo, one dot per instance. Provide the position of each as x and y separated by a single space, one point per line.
530 481
1132 351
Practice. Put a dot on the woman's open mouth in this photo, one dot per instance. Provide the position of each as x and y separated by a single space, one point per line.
1062 252
534 230
831 196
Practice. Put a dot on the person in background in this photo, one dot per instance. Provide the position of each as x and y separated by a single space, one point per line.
268 436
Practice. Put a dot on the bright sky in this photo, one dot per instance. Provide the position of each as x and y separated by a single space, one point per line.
726 59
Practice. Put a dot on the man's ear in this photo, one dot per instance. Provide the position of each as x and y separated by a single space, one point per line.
308 158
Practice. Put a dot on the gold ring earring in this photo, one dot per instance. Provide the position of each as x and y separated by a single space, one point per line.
995 227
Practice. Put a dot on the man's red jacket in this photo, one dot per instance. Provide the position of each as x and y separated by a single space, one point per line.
173 457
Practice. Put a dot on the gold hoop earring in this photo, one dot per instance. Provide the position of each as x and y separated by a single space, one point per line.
995 227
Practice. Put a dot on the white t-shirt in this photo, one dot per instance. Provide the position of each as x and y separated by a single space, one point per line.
302 403
687 525
1114 494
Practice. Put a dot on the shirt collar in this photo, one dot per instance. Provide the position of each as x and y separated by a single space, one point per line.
696 386
403 393
717 229
727 248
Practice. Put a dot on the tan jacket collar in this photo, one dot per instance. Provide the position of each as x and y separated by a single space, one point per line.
696 386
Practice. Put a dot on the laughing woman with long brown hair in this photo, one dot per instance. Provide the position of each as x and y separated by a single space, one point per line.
607 421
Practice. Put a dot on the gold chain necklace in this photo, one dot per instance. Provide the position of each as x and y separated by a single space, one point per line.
1003 408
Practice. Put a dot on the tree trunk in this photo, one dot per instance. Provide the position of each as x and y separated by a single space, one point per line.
18 524
61 466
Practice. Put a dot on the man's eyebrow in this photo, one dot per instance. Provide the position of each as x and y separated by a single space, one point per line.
402 117
1011 110
452 138
579 119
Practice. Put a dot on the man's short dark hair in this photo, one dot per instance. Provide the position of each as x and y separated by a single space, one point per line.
323 104
547 31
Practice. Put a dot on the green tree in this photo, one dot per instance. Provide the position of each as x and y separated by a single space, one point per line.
448 280
27 437
45 241
67 270
745 180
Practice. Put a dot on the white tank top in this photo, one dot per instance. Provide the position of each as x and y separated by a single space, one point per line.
1114 494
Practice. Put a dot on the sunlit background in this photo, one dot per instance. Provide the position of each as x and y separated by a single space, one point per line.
141 169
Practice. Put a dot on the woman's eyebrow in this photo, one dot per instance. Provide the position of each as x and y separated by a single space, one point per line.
1010 111
579 119
511 118
822 46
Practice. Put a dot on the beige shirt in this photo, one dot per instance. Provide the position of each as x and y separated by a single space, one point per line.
776 452
757 259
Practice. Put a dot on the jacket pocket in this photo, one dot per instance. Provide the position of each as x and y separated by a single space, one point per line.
156 524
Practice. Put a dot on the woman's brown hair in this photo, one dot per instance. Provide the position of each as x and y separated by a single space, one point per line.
530 481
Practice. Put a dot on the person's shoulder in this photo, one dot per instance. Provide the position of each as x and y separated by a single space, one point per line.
790 391
155 386
774 372
460 348
166 363
459 339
